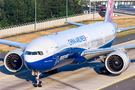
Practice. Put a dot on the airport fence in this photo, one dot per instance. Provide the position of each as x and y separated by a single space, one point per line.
23 28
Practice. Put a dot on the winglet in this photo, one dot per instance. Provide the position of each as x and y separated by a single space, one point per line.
109 11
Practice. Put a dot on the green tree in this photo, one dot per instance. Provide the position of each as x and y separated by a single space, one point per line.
23 11
1 10
30 10
57 8
48 12
76 7
4 22
15 11
40 11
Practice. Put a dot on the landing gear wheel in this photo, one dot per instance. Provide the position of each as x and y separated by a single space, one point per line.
35 84
100 71
40 84
103 70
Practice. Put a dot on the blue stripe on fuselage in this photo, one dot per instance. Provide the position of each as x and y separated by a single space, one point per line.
64 57
41 65
108 44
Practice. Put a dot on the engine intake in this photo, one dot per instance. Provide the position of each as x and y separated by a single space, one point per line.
13 61
117 62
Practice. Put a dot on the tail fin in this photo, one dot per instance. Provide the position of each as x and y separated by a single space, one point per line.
109 11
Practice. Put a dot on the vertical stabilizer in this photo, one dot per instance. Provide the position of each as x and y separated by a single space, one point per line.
109 11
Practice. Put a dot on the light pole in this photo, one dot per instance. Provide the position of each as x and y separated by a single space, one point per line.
66 9
95 6
35 15
89 7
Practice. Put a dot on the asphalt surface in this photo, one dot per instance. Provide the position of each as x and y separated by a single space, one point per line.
127 84
72 77
123 12
124 39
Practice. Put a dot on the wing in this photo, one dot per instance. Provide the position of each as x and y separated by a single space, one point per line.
14 44
77 24
125 29
89 54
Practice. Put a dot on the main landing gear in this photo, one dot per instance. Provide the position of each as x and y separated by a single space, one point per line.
37 82
103 70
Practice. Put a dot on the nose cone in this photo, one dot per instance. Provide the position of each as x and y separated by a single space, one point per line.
35 60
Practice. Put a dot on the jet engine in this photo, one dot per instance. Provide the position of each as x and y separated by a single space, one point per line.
117 62
14 61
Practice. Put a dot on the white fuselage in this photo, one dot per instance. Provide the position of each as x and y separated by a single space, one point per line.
57 49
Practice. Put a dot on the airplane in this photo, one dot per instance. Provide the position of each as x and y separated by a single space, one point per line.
74 46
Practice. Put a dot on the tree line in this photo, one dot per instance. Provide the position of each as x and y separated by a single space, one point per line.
13 12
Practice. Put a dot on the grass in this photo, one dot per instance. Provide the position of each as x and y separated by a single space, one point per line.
121 21
125 33
3 51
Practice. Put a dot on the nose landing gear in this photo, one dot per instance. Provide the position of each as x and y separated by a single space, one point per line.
37 82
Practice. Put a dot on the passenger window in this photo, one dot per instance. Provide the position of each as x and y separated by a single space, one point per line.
29 53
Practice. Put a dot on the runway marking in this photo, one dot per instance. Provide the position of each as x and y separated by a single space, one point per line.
116 82
13 74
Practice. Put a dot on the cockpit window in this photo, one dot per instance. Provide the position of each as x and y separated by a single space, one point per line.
34 53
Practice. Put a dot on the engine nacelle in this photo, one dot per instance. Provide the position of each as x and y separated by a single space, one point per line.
14 61
117 62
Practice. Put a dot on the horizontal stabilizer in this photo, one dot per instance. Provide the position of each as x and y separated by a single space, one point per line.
77 24
124 29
